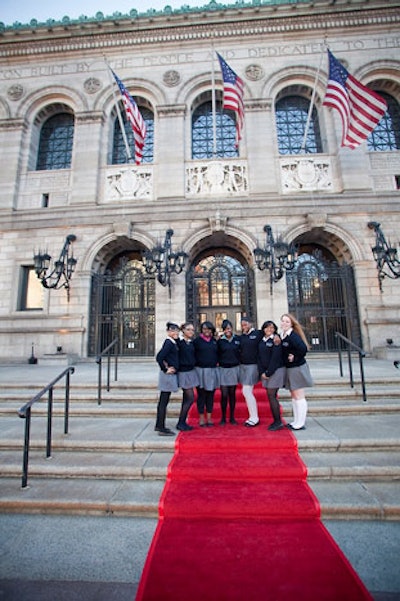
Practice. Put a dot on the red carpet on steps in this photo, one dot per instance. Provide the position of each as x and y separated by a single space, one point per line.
238 521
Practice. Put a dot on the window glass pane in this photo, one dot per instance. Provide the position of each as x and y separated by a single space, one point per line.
291 121
55 144
386 135
31 292
119 155
203 133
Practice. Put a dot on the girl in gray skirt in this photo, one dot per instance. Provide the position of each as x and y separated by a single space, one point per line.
168 360
272 369
298 377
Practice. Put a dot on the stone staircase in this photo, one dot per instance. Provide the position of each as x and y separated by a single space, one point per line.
113 463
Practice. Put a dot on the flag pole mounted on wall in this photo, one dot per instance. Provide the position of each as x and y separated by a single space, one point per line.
134 117
312 101
233 95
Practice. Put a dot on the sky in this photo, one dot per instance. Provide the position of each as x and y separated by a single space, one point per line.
23 11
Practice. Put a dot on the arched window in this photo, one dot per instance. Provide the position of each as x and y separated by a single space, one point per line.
386 135
119 154
291 119
203 132
55 142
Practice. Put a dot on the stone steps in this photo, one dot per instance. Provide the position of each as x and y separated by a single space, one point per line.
112 461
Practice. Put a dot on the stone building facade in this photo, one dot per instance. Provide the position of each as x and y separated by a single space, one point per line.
62 174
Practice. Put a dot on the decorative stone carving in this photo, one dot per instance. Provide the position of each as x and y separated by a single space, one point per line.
306 174
129 182
254 72
217 177
15 92
171 78
317 220
217 222
92 85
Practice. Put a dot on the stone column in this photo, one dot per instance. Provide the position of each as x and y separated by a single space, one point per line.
170 159
87 141
11 132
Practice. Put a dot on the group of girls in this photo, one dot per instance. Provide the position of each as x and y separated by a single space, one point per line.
207 362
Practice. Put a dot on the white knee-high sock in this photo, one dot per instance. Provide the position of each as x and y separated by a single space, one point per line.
294 423
302 407
251 403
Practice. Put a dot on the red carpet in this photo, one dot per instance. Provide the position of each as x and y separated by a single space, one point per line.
238 522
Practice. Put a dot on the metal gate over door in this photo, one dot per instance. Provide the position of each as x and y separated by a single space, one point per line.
123 306
219 287
322 296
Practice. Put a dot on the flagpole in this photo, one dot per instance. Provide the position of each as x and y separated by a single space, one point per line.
213 102
310 108
120 120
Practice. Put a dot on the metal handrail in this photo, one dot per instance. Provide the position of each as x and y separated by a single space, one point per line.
361 356
106 352
25 413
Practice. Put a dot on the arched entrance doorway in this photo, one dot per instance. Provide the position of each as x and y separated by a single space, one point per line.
322 295
220 285
123 306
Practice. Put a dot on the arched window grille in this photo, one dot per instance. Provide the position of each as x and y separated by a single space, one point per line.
55 142
386 135
119 155
291 119
203 132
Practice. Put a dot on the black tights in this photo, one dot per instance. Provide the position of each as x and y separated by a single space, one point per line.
187 401
162 409
205 400
272 394
228 393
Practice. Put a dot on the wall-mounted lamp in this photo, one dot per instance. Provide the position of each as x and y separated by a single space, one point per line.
276 256
61 271
162 261
385 255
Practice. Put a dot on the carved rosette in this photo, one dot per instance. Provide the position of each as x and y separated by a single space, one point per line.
306 174
217 177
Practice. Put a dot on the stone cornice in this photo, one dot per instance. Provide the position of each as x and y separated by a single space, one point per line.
215 25
90 117
10 124
170 110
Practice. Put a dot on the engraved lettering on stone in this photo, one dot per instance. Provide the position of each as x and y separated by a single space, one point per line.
254 72
92 85
306 174
129 183
217 178
171 78
15 92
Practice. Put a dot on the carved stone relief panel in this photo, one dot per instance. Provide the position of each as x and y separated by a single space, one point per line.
217 177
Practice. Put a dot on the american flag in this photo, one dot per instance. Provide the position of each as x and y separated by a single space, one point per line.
360 108
135 119
233 95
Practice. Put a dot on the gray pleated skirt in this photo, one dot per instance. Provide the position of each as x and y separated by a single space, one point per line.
277 380
249 374
167 382
229 376
298 377
188 379
208 377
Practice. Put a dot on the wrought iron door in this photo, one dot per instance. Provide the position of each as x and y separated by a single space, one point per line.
219 287
123 306
322 295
